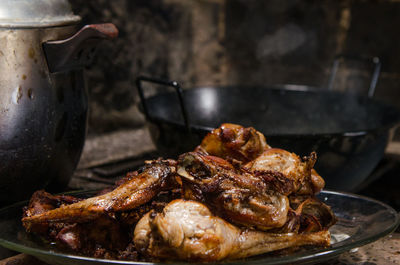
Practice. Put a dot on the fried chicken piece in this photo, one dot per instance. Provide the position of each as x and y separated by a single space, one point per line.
315 215
86 238
231 141
42 202
104 232
317 182
131 217
237 196
135 191
290 166
246 145
187 230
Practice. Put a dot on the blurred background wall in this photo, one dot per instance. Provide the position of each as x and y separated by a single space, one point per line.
236 42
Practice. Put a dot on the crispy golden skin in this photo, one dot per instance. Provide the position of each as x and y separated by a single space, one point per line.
288 164
135 191
187 230
231 141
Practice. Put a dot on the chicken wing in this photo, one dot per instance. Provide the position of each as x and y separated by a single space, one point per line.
136 190
187 230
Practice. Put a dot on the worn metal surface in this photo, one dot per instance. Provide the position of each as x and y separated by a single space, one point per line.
42 115
36 13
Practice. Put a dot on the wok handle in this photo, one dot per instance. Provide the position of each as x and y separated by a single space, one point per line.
375 75
158 81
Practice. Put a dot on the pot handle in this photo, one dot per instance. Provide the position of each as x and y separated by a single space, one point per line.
77 51
375 74
173 84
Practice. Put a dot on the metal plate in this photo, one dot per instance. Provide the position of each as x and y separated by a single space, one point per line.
361 220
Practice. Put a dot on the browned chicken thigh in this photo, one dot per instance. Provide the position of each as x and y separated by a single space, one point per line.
187 230
234 194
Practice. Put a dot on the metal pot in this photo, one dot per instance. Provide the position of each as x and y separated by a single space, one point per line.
43 101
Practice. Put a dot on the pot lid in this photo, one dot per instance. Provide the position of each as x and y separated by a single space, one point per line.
36 13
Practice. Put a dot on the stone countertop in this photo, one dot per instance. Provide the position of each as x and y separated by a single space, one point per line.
382 252
103 151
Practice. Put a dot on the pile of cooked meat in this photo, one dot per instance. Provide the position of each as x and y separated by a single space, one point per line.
233 197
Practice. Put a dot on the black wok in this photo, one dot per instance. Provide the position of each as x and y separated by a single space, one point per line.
349 132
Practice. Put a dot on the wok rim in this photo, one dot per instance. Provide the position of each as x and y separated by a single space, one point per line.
395 112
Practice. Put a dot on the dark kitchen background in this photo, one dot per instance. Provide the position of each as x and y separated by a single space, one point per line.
213 42
238 42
